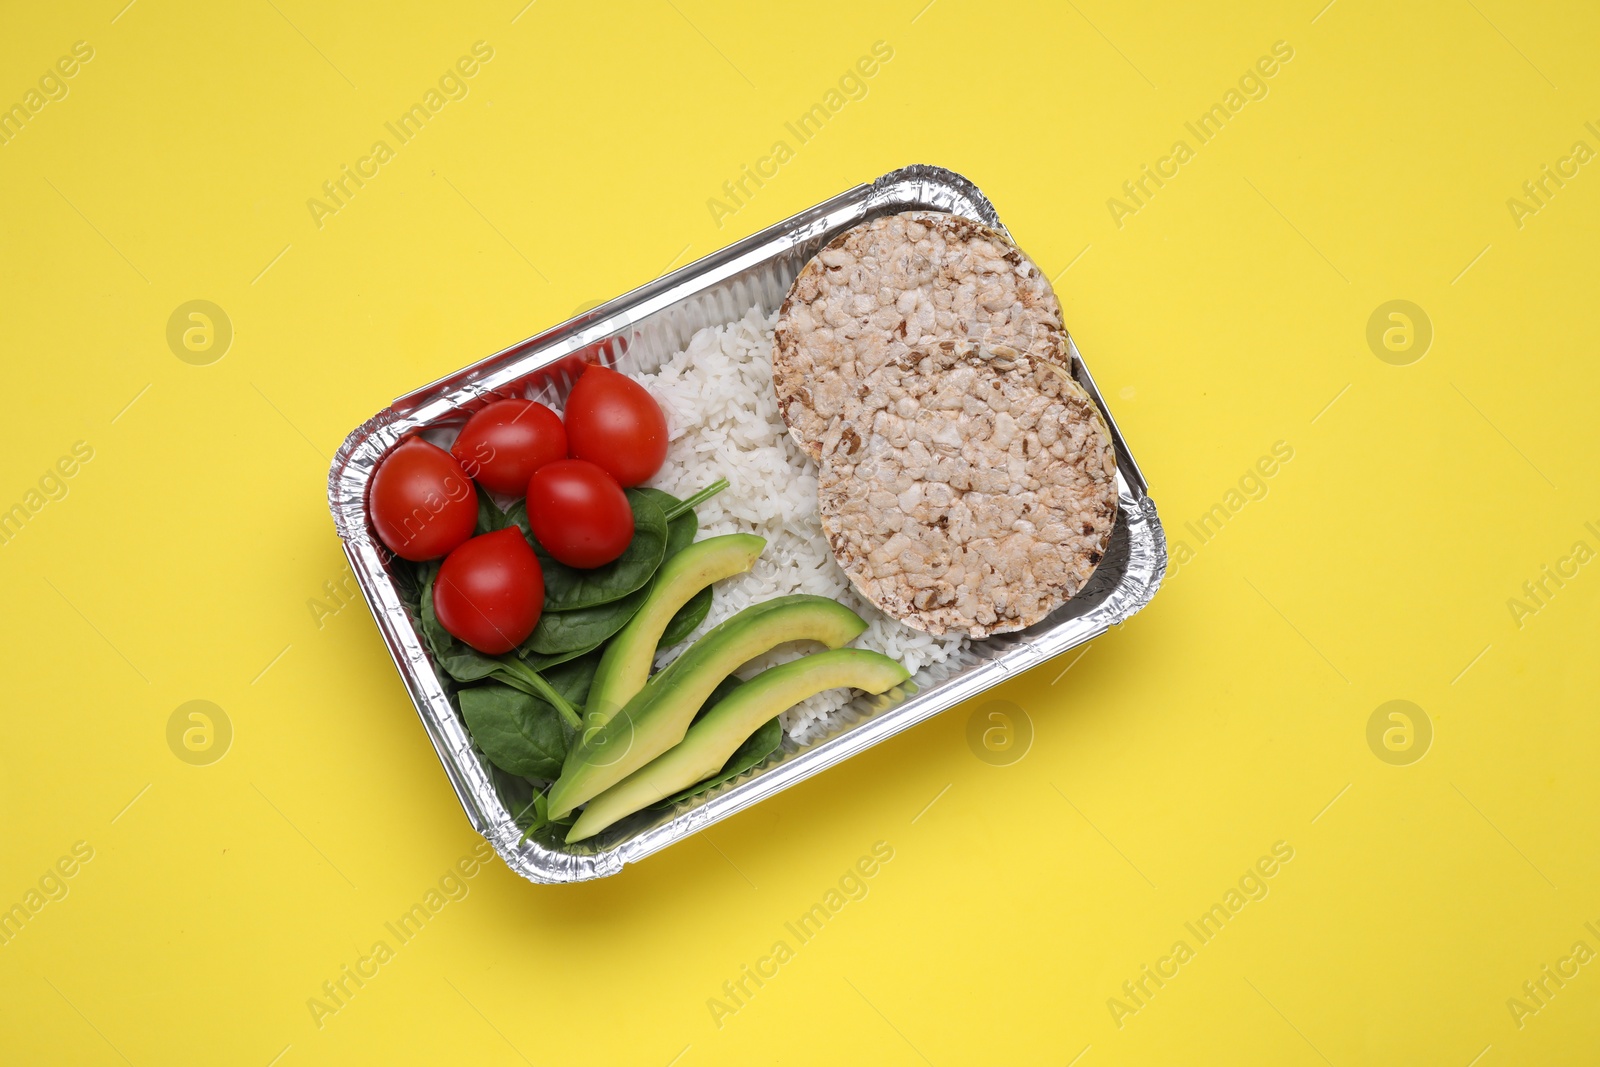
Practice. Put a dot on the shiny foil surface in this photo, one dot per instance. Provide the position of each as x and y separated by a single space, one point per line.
635 333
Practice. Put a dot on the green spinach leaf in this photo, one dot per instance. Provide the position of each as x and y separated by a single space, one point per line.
681 528
542 663
517 515
582 629
683 623
519 731
573 677
490 517
507 724
549 833
724 687
570 675
409 579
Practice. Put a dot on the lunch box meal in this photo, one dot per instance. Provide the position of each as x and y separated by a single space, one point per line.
670 557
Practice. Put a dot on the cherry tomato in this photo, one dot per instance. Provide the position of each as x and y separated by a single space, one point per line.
579 513
613 422
490 591
422 502
503 444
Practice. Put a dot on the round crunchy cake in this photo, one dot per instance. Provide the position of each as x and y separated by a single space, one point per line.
898 283
968 491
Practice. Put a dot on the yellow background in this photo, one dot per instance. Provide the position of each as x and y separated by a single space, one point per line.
1222 317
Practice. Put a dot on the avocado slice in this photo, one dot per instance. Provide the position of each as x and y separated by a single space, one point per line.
657 716
719 732
625 665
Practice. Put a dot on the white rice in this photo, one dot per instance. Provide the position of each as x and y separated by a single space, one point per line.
724 422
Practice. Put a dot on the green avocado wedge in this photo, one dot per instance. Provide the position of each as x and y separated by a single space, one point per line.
719 732
657 716
626 662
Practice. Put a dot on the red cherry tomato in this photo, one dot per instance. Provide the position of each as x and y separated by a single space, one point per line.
503 444
490 591
613 422
422 502
579 513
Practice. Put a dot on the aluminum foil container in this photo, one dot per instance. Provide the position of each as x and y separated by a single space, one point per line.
636 333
